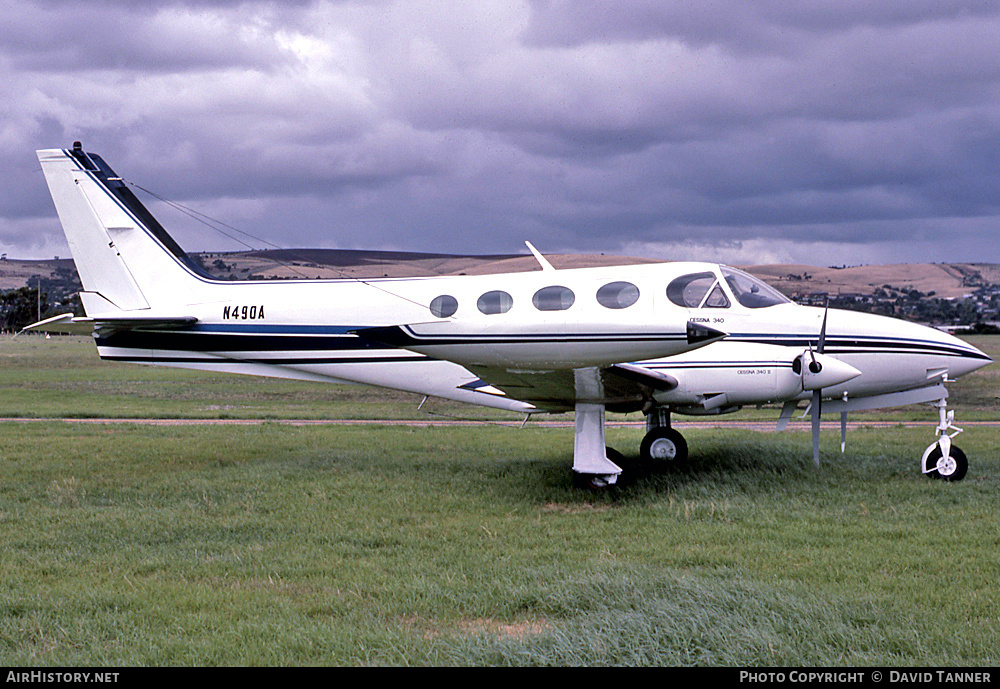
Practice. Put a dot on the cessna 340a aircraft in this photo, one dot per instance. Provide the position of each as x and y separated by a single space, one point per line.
691 338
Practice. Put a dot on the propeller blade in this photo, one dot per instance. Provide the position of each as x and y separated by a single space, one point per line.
822 330
815 409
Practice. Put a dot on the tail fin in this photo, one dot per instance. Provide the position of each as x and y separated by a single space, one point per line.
126 260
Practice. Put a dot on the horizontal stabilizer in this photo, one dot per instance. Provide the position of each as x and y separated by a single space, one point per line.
65 323
69 324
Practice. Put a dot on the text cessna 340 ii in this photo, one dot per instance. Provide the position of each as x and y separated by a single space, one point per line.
691 338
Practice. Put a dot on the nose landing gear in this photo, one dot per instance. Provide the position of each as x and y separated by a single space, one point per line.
942 459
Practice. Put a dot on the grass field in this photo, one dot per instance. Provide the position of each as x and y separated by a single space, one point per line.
271 544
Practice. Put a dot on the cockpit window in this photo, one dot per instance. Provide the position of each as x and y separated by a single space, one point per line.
751 292
697 290
716 299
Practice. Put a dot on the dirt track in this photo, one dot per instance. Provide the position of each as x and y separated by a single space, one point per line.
795 424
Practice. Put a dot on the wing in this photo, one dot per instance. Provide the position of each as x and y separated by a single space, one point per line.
626 387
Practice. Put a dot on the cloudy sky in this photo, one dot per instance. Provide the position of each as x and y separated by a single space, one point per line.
824 132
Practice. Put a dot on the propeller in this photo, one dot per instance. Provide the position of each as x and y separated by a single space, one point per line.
815 367
819 371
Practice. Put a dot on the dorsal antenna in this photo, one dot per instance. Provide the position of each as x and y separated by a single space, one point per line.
538 257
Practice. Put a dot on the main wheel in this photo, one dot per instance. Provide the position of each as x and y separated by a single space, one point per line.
599 482
629 466
663 446
952 469
596 483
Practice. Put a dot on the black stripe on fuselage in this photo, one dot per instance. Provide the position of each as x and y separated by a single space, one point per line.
405 336
283 361
848 345
207 341
201 341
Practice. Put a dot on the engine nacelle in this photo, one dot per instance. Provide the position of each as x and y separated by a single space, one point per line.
819 371
726 375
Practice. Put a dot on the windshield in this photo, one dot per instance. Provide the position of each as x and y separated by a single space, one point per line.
751 292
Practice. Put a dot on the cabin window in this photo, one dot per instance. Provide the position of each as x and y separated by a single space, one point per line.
618 295
555 298
750 291
444 306
697 290
495 302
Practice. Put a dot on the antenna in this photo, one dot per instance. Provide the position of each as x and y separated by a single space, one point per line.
538 257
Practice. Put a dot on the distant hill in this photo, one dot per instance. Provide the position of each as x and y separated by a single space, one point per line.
336 263
15 274
945 281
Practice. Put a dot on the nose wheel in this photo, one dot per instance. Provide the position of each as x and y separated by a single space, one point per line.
952 467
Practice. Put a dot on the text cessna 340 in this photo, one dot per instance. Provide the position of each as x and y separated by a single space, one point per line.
691 338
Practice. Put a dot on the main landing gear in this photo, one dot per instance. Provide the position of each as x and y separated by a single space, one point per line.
598 467
662 446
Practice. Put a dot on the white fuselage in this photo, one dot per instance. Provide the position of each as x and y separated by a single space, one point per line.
307 329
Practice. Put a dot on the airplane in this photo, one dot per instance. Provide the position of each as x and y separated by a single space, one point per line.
691 338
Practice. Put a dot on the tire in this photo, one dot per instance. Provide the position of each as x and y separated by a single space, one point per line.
663 447
597 483
956 469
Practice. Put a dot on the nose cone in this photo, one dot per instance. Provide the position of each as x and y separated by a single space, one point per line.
968 360
919 350
951 355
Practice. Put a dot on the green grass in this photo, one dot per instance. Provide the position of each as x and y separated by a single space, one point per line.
270 544
63 377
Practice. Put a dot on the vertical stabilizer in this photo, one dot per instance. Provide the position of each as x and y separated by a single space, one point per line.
125 259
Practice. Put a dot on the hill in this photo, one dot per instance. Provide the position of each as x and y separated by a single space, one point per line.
948 281
921 291
15 274
335 263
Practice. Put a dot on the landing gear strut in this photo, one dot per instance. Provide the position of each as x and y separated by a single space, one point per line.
594 467
941 459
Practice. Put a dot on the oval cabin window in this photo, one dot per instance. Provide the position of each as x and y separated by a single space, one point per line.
495 302
555 298
444 306
618 295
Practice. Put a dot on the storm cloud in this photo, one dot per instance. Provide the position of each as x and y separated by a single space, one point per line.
823 132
